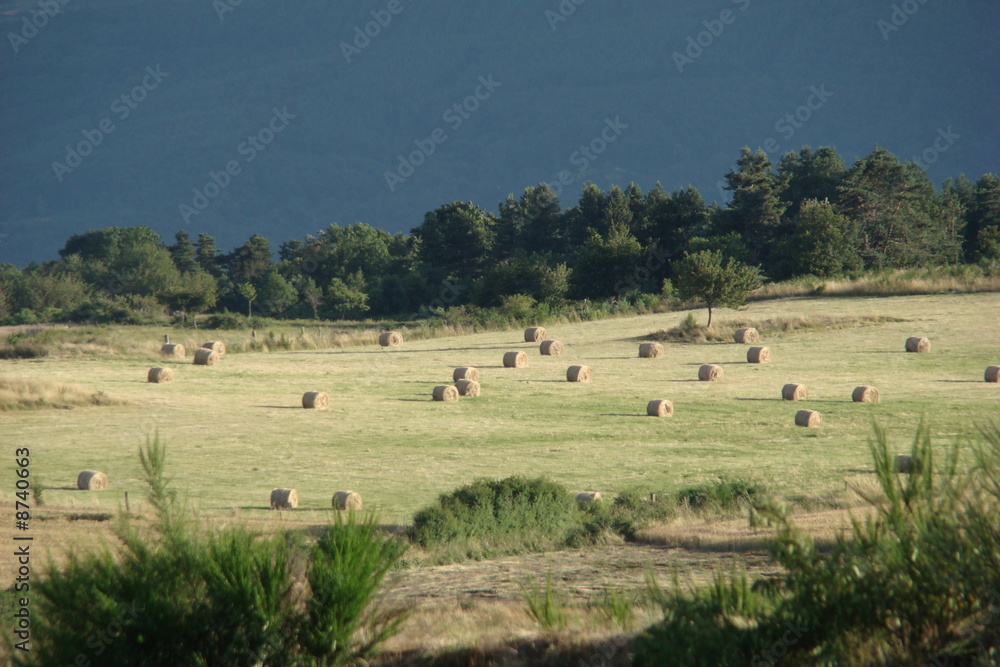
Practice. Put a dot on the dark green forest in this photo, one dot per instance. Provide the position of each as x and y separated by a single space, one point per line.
810 214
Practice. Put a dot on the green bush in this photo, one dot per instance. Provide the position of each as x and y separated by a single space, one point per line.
917 583
626 515
727 494
177 596
499 516
225 320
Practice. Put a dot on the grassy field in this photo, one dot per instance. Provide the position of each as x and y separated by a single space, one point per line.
236 430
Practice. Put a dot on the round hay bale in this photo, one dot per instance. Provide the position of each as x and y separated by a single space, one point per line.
759 355
992 374
467 388
534 334
216 345
588 497
551 348
173 350
794 392
316 400
160 375
918 345
465 373
808 418
92 480
746 336
906 464
446 392
205 357
660 408
390 339
284 499
579 374
710 373
516 359
865 394
650 350
347 500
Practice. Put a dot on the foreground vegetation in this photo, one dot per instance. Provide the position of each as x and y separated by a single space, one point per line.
179 595
918 583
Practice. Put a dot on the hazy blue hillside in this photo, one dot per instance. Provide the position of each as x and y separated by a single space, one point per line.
223 77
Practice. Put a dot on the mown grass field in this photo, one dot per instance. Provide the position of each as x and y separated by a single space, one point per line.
236 431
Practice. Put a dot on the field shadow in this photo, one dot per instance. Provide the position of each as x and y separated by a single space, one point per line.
767 399
440 349
962 381
279 407
414 400
720 363
621 414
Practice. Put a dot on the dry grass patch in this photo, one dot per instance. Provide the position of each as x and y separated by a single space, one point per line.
18 394
899 283
689 530
723 332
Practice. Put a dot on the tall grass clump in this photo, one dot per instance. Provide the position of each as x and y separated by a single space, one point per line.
490 517
917 582
172 594
16 394
545 605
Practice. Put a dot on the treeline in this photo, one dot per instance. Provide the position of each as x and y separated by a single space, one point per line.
809 214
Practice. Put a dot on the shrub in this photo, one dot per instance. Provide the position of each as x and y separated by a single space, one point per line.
726 494
917 583
499 516
517 307
626 515
175 596
225 320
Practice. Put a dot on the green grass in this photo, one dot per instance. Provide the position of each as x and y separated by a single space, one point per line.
236 430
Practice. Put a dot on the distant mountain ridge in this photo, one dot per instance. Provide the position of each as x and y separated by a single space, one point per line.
356 114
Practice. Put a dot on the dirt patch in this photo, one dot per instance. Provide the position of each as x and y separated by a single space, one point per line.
581 573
